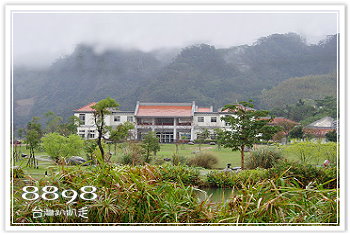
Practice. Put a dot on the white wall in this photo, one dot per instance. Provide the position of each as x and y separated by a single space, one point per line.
207 121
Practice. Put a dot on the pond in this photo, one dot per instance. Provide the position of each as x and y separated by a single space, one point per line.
216 194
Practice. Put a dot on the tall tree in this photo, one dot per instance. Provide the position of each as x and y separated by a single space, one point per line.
33 133
53 122
297 132
202 136
150 144
120 133
101 109
287 126
247 127
70 127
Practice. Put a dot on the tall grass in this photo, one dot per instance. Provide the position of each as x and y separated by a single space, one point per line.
164 194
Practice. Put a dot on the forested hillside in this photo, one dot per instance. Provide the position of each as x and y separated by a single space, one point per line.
293 89
264 71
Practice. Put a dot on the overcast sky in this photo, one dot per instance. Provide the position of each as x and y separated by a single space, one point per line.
38 39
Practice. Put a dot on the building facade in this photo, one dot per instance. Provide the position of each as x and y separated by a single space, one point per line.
170 121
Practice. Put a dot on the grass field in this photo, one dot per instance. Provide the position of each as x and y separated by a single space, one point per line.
223 155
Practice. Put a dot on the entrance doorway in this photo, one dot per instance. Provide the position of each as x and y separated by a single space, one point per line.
165 137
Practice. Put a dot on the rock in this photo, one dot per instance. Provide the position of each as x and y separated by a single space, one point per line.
76 160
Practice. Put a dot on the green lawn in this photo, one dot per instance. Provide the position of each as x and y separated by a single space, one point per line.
168 150
223 155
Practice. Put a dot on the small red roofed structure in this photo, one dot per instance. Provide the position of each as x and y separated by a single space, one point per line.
86 108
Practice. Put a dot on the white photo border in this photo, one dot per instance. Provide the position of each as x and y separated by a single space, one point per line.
339 9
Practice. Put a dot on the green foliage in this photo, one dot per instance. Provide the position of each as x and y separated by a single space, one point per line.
306 151
101 109
305 174
180 174
151 194
230 179
292 90
203 159
280 201
297 132
307 111
178 159
264 157
53 122
247 127
60 147
17 172
150 144
33 133
90 149
332 136
125 195
133 154
70 127
121 132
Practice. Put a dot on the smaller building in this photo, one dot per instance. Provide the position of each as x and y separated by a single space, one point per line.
321 127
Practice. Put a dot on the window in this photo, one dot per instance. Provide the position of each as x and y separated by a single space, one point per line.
117 118
213 119
82 118
130 118
200 119
91 134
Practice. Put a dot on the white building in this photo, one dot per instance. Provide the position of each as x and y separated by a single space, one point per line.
170 121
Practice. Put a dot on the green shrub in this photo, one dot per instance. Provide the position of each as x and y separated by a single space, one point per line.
264 157
157 194
178 160
280 201
133 154
204 159
305 173
125 194
180 174
224 179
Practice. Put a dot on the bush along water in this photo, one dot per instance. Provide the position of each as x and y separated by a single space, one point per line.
126 194
165 194
204 159
265 157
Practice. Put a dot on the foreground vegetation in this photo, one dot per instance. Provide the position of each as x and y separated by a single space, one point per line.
169 194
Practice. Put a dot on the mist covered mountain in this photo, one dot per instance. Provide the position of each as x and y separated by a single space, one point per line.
203 73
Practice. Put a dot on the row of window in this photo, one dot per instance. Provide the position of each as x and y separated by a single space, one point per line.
212 119
129 118
116 118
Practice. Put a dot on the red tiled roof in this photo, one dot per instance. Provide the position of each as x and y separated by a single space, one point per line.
278 120
86 108
201 109
164 111
317 131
